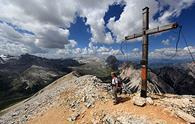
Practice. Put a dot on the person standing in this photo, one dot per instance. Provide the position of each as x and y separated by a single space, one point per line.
114 87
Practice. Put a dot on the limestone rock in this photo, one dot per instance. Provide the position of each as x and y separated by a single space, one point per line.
109 120
139 101
73 117
15 113
188 118
149 100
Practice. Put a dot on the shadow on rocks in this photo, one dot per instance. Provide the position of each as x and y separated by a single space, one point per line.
123 99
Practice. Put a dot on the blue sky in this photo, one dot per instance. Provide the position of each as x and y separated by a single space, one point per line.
80 32
68 28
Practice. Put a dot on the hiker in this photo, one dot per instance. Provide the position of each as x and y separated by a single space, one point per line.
115 86
120 86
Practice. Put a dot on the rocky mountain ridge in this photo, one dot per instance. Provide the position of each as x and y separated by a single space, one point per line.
86 99
23 76
176 80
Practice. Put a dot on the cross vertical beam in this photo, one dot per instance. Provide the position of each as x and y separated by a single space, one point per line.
145 34
145 52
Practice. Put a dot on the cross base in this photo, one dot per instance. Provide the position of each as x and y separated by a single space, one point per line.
143 93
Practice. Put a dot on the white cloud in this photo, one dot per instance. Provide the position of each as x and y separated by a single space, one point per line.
191 48
94 11
135 50
42 18
53 38
175 8
8 48
167 53
166 42
46 20
56 12
101 51
130 21
15 43
73 43
8 32
162 53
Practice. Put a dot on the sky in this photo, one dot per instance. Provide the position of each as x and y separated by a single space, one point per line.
76 28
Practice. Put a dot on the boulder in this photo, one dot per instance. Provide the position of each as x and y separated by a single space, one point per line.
16 113
139 101
187 117
149 100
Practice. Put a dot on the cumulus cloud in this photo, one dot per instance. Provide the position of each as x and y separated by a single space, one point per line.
53 38
108 51
56 12
70 52
135 50
101 51
163 53
175 8
8 48
130 21
43 18
166 42
191 48
167 53
15 43
50 23
9 33
94 11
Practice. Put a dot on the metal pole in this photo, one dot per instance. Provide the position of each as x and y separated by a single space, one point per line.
144 61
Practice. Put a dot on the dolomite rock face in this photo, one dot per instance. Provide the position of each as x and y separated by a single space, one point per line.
177 79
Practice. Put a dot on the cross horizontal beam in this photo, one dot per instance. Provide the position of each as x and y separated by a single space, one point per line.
153 31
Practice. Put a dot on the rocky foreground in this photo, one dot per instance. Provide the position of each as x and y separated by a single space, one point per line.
86 99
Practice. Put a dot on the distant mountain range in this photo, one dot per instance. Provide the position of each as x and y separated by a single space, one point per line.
175 79
23 76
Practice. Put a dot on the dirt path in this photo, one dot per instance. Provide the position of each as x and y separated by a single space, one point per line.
59 115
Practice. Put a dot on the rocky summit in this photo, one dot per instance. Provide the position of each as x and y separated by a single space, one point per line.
86 99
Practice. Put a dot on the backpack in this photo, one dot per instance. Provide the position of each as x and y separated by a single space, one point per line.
120 85
119 82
